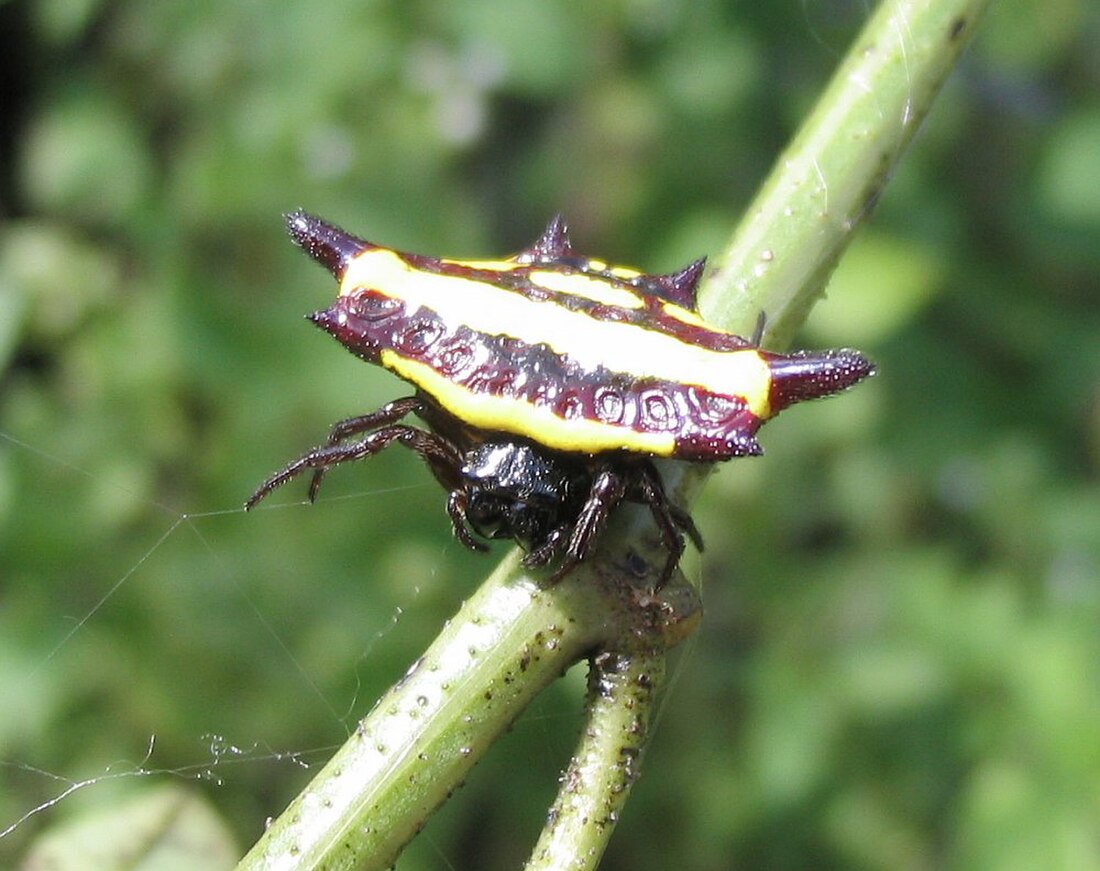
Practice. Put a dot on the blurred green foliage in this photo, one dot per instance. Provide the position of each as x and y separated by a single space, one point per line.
900 667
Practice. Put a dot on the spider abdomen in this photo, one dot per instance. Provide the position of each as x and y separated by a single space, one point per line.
567 351
503 384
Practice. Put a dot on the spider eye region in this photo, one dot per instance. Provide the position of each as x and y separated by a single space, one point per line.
494 517
513 490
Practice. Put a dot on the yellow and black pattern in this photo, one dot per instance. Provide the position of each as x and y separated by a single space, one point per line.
569 352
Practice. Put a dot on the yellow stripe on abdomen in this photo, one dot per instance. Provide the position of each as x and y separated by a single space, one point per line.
618 347
520 417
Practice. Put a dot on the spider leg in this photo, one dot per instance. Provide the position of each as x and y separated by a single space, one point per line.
456 510
433 449
606 492
389 413
758 330
546 551
687 524
651 491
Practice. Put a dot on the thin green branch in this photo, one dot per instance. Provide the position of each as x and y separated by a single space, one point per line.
827 181
508 641
606 763
830 176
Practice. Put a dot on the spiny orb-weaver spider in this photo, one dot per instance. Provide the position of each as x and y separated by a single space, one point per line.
548 382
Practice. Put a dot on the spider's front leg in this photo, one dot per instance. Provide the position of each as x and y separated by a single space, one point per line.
550 547
435 450
609 487
607 491
457 503
389 413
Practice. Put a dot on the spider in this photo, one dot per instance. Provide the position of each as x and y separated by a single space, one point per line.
548 383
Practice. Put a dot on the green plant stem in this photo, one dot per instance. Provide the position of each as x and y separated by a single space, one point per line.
515 636
827 181
508 641
832 172
621 689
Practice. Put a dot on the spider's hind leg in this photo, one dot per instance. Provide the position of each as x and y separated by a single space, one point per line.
672 520
758 329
